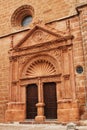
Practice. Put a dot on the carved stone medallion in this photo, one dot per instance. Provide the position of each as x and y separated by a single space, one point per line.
39 36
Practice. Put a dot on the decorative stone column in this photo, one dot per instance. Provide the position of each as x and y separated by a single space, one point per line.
40 105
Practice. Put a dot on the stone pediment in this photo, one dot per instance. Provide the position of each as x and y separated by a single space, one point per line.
38 35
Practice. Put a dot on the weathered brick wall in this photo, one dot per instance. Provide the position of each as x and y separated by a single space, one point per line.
54 9
4 75
83 26
72 25
78 56
42 11
2 110
80 2
5 44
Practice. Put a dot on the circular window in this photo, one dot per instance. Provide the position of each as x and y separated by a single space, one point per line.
22 16
79 69
26 20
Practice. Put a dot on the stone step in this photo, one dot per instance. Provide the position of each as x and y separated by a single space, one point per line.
34 122
17 126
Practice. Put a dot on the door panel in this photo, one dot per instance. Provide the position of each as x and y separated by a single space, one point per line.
32 99
50 100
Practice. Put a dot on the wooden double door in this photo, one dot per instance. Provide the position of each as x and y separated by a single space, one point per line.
50 100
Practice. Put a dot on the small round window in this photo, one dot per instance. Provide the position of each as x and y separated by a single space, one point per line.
26 21
79 69
22 16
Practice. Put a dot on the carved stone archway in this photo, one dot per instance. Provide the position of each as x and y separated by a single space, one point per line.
39 58
40 69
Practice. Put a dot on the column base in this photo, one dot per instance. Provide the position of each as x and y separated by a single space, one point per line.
40 119
84 116
15 112
68 111
40 112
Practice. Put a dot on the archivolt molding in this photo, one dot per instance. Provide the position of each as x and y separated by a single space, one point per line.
20 13
41 65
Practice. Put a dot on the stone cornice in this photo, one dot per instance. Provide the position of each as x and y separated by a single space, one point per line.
43 44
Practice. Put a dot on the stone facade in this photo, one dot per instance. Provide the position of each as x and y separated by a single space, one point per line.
50 50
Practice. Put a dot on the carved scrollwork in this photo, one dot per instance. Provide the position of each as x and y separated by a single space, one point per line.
14 82
64 48
56 53
66 77
22 60
12 58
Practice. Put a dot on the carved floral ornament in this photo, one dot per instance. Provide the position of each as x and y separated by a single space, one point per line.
39 36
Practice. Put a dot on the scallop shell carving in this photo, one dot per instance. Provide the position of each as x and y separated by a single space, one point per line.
40 68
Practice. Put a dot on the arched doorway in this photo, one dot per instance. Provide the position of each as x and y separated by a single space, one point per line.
31 100
42 72
50 100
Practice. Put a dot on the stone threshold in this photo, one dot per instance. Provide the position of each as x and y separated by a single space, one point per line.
54 121
47 121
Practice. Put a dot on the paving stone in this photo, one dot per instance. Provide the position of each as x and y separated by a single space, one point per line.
37 127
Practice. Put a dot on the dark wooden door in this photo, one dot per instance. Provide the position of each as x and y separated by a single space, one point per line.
50 100
32 99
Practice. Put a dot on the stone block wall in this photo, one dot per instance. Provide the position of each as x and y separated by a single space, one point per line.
75 25
42 9
4 76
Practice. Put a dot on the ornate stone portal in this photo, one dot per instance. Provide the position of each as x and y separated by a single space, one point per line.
42 57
